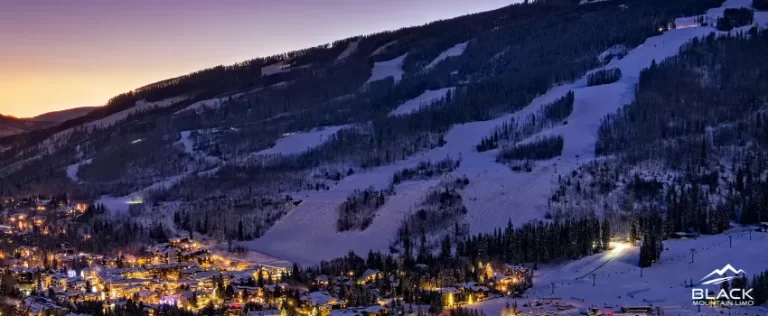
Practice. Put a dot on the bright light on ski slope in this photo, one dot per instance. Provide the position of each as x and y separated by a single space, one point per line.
388 68
420 101
307 234
618 282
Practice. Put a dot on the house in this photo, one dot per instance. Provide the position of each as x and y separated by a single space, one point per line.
38 305
763 227
321 280
507 278
322 300
369 276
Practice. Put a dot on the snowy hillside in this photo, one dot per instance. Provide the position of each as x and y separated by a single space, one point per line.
618 281
495 193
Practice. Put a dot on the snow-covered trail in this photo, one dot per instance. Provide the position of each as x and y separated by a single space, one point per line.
495 194
308 233
72 169
421 100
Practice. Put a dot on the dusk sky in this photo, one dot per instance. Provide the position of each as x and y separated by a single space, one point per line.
61 54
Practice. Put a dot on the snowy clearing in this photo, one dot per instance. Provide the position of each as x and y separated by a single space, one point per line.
117 205
213 103
308 234
189 147
294 143
389 68
275 68
73 168
455 50
352 48
187 142
619 283
424 99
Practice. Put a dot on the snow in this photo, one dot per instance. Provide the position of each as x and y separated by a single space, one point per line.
141 105
455 50
618 281
73 168
348 51
389 68
189 147
382 48
294 143
307 234
424 99
213 103
250 257
614 51
187 142
495 194
275 68
121 204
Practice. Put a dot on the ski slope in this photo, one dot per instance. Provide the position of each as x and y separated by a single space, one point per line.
388 68
420 101
619 282
117 205
140 106
212 103
72 169
352 48
295 143
275 68
455 50
495 194
383 48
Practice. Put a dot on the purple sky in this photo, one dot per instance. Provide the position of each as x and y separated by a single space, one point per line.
59 54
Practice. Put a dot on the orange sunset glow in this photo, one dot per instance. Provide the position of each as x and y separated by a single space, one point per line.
56 55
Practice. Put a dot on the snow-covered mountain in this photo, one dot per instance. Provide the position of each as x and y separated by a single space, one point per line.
286 152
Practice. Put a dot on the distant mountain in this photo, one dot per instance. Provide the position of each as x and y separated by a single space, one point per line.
63 115
10 125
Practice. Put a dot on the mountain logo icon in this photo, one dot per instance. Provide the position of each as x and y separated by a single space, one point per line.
722 275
